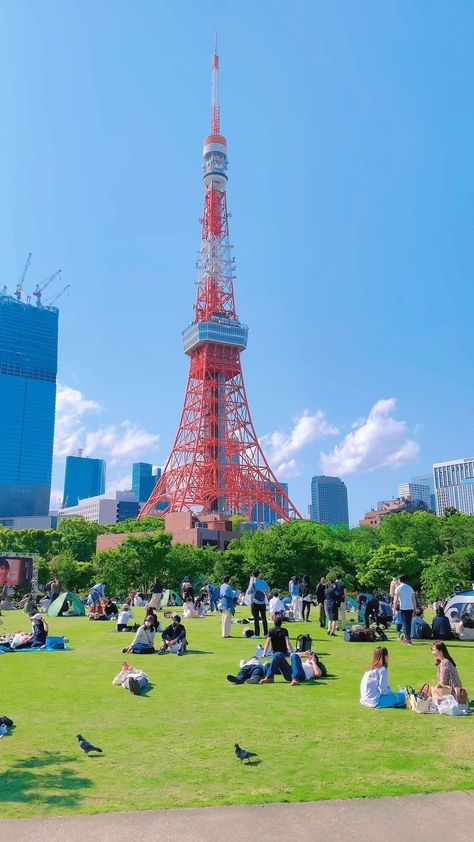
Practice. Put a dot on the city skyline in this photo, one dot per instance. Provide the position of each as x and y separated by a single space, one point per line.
377 173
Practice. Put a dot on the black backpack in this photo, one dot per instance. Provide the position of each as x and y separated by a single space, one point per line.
304 643
5 720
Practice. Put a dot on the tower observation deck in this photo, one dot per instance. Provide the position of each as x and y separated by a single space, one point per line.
216 464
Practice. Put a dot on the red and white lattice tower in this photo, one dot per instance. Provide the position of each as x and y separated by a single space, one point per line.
216 464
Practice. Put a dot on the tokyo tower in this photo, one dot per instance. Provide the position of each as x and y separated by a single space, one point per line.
216 464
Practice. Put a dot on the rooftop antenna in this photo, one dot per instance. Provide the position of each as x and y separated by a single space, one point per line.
19 286
215 112
40 289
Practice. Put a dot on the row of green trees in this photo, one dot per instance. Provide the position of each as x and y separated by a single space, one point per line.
435 553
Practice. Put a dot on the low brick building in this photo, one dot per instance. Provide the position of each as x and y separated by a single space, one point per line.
186 528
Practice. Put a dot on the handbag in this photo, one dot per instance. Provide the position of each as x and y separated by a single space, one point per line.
437 691
418 702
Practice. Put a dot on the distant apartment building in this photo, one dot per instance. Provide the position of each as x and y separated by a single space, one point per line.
105 508
28 368
144 480
262 513
84 477
329 501
390 507
454 485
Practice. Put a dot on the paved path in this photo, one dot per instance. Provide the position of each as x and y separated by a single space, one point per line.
447 815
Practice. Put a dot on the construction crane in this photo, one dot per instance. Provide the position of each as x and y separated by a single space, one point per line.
40 289
50 303
19 286
3 289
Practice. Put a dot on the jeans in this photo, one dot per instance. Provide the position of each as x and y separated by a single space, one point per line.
212 603
259 611
279 666
297 671
392 700
142 649
249 670
407 617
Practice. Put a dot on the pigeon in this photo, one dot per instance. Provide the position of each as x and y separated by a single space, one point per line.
87 747
242 754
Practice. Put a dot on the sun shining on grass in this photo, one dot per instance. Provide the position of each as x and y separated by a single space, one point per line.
174 746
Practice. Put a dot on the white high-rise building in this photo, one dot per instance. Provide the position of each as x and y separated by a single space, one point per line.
454 485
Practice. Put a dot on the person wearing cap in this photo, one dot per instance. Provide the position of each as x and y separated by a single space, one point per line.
40 631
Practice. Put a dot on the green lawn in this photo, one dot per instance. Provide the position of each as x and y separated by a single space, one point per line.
174 746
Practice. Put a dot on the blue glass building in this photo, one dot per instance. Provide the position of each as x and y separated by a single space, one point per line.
84 478
144 480
28 368
262 513
329 501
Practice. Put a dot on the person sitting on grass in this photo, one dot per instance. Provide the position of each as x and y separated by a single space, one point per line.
275 606
374 688
123 617
251 672
174 635
111 609
278 639
296 671
150 612
189 610
144 641
446 666
33 640
441 627
420 629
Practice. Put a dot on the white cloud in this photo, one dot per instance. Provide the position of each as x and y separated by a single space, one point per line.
120 443
71 406
287 470
378 441
123 483
306 429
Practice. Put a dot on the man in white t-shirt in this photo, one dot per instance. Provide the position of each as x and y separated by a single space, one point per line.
405 600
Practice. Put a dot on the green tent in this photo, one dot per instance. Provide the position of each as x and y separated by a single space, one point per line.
76 608
166 598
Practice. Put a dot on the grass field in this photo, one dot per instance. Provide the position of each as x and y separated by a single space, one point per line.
173 747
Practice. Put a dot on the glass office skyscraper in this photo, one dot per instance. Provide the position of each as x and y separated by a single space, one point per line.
84 478
144 480
329 501
454 485
28 367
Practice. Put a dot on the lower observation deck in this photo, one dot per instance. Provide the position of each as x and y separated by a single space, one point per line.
221 331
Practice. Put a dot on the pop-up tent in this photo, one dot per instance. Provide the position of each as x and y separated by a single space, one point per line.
171 595
75 608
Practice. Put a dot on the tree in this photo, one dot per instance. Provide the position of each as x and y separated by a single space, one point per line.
441 573
387 561
135 563
79 536
144 524
74 575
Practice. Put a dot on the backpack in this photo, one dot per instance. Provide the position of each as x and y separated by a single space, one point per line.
359 635
304 643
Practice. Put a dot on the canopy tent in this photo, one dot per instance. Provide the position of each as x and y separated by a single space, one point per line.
76 608
166 598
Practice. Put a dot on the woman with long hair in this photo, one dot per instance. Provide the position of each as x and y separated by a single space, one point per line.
374 688
446 667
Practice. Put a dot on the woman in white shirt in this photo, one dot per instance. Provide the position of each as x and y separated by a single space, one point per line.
374 688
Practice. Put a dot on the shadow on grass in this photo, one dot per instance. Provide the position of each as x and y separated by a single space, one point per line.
22 781
255 762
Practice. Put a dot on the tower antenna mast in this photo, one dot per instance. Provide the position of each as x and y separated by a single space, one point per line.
215 112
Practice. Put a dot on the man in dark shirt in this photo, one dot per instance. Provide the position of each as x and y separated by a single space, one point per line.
320 597
174 634
278 639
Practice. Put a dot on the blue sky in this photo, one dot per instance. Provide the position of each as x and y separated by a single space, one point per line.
350 135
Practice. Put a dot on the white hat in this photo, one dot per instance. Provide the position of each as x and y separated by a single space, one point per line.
36 617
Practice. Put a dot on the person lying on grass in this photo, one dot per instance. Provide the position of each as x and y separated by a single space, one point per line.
132 679
144 641
374 688
174 635
251 672
296 671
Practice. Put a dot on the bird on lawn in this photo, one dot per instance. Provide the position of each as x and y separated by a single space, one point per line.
87 747
242 754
